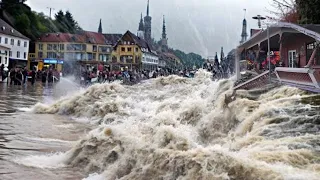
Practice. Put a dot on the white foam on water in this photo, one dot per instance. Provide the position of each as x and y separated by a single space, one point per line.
50 140
178 128
95 176
25 109
66 126
50 161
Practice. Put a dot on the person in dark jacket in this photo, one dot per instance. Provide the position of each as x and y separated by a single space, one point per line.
50 76
33 76
12 76
44 76
18 77
25 75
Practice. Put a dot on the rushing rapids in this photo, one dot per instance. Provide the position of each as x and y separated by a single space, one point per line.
178 128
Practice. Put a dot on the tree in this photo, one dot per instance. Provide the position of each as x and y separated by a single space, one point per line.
71 23
309 11
286 10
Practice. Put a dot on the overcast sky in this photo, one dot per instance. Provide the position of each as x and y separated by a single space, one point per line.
200 26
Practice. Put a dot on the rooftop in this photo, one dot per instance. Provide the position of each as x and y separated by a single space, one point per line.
82 37
5 28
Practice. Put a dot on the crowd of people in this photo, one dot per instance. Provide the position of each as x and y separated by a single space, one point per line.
21 75
90 75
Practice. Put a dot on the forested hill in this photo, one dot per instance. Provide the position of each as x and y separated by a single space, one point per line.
33 24
190 59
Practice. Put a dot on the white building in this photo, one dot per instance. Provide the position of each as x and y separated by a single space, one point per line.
13 45
4 55
150 60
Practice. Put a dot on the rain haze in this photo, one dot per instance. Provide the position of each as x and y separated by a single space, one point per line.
200 26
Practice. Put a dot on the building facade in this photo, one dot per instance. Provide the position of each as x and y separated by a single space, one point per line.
14 46
150 60
133 52
65 50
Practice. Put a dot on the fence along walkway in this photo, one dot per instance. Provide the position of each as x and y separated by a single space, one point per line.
255 82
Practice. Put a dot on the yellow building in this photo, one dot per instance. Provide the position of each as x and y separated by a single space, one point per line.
64 50
131 51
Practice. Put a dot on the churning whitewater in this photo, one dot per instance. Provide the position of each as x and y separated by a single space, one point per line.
178 128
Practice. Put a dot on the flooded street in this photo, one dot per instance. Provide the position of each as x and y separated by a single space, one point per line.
23 133
164 128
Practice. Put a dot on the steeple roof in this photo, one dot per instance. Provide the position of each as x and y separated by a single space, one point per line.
141 25
164 33
148 9
100 27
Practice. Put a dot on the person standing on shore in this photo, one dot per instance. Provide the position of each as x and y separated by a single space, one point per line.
25 75
33 76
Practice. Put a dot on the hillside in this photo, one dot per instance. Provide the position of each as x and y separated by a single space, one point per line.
33 24
189 60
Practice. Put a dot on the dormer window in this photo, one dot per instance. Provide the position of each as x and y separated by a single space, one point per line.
3 28
11 30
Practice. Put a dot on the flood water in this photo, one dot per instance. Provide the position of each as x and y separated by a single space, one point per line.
166 128
23 133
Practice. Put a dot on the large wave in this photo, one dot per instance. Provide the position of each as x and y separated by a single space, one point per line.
178 128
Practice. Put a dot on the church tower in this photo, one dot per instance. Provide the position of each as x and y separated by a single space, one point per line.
221 55
141 29
147 26
100 27
164 39
244 34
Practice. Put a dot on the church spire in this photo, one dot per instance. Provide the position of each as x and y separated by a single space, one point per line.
164 40
100 27
164 32
221 55
244 34
148 9
141 25
147 26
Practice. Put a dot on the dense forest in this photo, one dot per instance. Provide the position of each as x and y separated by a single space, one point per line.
33 24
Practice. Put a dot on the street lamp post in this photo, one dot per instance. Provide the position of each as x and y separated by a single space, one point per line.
259 18
268 34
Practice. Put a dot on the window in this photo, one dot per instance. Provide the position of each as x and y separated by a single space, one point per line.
51 55
24 55
40 54
12 42
94 48
129 49
124 42
137 49
18 54
123 49
19 42
6 40
103 57
104 49
0 39
25 44
55 47
61 47
49 47
6 60
10 53
292 58
40 47
6 53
